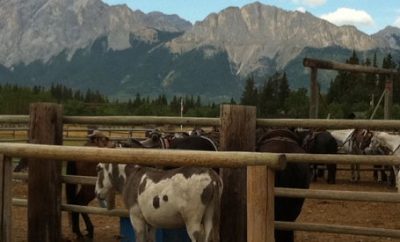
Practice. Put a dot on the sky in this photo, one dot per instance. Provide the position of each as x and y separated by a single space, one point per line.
369 16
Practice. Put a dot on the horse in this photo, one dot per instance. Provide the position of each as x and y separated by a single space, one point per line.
86 192
320 142
174 198
295 175
383 143
361 139
345 141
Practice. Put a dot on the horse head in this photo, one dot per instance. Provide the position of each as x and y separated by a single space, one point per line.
361 139
109 177
377 146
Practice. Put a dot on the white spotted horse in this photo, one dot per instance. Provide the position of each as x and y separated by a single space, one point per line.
174 198
295 175
383 143
84 194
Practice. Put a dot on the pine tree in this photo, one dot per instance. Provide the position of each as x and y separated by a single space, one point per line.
249 96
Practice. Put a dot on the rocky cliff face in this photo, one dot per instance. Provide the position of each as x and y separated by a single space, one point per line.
389 37
258 32
39 29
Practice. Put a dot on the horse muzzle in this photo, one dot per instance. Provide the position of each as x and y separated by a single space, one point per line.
102 202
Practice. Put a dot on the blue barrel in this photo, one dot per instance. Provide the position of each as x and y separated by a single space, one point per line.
162 235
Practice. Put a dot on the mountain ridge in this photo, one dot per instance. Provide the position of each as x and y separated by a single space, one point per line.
89 44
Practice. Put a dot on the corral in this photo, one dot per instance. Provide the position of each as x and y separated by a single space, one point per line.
236 121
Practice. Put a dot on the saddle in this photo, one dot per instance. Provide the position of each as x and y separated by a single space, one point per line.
285 135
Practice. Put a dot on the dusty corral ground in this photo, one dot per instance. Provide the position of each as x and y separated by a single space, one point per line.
377 215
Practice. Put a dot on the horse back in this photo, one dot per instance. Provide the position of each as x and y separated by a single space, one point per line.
172 193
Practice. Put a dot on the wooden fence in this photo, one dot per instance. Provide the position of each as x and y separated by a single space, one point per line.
237 126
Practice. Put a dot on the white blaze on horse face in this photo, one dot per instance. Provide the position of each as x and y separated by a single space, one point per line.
103 183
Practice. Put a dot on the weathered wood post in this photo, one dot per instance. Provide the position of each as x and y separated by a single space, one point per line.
314 93
238 126
388 97
44 194
5 199
260 204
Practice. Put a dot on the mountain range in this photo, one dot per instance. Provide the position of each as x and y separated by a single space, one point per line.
89 44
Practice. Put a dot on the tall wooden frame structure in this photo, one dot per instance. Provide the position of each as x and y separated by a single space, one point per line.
315 64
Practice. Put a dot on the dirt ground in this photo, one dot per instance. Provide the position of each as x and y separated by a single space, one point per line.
376 215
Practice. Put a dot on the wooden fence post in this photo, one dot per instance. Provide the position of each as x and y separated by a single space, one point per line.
388 98
314 93
260 204
238 126
44 183
5 199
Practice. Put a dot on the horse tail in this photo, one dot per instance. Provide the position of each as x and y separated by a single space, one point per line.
213 210
70 189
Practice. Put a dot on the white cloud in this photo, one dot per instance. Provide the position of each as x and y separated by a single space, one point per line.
310 3
301 9
348 16
397 22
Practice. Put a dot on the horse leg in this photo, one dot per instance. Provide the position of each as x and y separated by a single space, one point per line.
84 196
320 172
357 168
75 224
331 173
89 225
398 181
353 174
195 229
284 236
151 233
138 224
375 173
313 168
393 173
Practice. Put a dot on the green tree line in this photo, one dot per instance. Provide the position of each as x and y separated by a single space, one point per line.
348 93
15 100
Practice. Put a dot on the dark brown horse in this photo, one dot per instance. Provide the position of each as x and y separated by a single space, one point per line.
294 175
86 192
320 142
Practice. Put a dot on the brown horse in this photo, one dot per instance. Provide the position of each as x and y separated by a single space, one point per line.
86 192
294 175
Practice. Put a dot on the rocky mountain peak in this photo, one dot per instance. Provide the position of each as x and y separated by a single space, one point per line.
39 29
389 36
257 32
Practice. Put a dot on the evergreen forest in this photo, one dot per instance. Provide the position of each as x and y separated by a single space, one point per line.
348 93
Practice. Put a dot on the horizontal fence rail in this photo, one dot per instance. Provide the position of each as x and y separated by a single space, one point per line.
385 197
142 120
337 229
344 159
145 156
331 123
333 65
14 119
